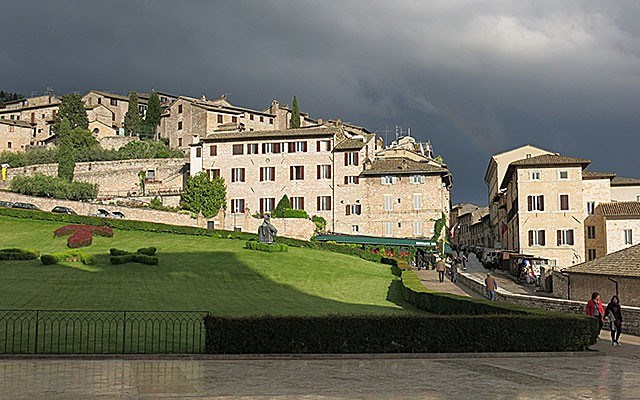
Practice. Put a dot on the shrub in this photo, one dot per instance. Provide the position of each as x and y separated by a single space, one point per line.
144 257
82 235
48 259
268 247
117 252
291 213
149 251
320 222
67 256
18 254
49 186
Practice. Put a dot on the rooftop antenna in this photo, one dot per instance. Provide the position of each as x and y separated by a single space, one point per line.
49 90
34 93
409 132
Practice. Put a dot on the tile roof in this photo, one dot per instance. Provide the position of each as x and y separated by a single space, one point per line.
624 262
597 175
398 166
549 159
620 181
23 124
620 209
279 134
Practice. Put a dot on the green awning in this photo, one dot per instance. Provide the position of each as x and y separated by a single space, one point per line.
382 241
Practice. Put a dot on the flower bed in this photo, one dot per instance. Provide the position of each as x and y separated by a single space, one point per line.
82 235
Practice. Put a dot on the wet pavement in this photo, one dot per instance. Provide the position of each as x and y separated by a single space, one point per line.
608 373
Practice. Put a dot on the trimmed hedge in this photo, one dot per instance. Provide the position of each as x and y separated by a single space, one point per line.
142 256
267 247
149 251
415 333
67 256
82 235
18 254
41 185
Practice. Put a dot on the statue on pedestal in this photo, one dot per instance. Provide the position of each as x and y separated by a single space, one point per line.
266 231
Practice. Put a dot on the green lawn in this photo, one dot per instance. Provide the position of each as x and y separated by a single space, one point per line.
195 273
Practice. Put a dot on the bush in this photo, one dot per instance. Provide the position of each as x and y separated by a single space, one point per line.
268 247
82 235
415 333
117 252
18 254
149 251
291 213
320 222
41 185
67 256
143 256
48 259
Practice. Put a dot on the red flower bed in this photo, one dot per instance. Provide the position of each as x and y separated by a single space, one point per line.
82 235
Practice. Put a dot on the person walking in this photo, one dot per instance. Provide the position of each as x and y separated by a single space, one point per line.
441 267
596 310
455 267
492 285
465 260
614 314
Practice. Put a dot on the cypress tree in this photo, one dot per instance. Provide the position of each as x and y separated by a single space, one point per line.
132 119
295 114
152 119
71 108
66 151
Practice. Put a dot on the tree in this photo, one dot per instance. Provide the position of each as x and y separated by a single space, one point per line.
71 108
148 149
132 119
152 119
283 205
66 151
204 195
295 114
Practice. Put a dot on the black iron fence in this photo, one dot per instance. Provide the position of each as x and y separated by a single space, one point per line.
101 332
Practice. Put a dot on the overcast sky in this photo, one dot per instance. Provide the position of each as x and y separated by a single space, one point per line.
475 78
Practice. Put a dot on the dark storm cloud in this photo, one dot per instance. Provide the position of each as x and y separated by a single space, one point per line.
473 77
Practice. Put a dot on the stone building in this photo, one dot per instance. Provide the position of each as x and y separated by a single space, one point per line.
187 119
15 135
612 227
39 112
333 170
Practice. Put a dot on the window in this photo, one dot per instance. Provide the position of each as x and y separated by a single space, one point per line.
387 180
591 232
351 180
535 203
237 174
528 155
388 228
565 237
270 148
271 121
564 174
253 148
355 209
151 175
251 117
351 158
9 145
220 118
179 108
198 152
591 254
591 207
628 236
113 102
323 145
99 100
535 175
179 125
234 119
417 228
417 201
179 142
388 202
296 172
297 147
267 174
638 197
237 206
11 128
213 150
238 149
324 171
564 202
324 203
416 179
297 203
536 238
213 173
267 205
355 228
261 118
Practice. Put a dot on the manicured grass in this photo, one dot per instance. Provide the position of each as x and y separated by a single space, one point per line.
195 273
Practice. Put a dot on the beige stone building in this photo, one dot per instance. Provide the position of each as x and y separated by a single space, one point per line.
612 227
15 135
39 112
188 119
336 171
458 210
625 189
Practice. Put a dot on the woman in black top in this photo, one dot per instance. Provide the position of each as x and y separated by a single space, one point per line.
614 313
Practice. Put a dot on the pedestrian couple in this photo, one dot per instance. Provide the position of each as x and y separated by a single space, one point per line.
613 313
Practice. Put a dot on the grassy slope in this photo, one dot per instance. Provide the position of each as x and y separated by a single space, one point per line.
195 273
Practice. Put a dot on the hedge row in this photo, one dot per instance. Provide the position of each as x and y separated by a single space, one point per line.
143 256
266 247
188 230
18 254
51 186
414 333
67 256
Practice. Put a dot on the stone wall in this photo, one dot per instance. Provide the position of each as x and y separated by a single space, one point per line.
297 228
581 286
631 315
117 178
115 142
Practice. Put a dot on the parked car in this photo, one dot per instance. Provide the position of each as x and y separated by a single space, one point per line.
25 206
63 210
7 204
102 213
117 214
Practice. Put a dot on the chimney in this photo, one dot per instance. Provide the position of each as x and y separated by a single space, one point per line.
204 98
320 121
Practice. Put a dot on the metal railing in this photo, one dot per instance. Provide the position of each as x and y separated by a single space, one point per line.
101 332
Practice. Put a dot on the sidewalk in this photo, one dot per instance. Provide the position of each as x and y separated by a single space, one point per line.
429 279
